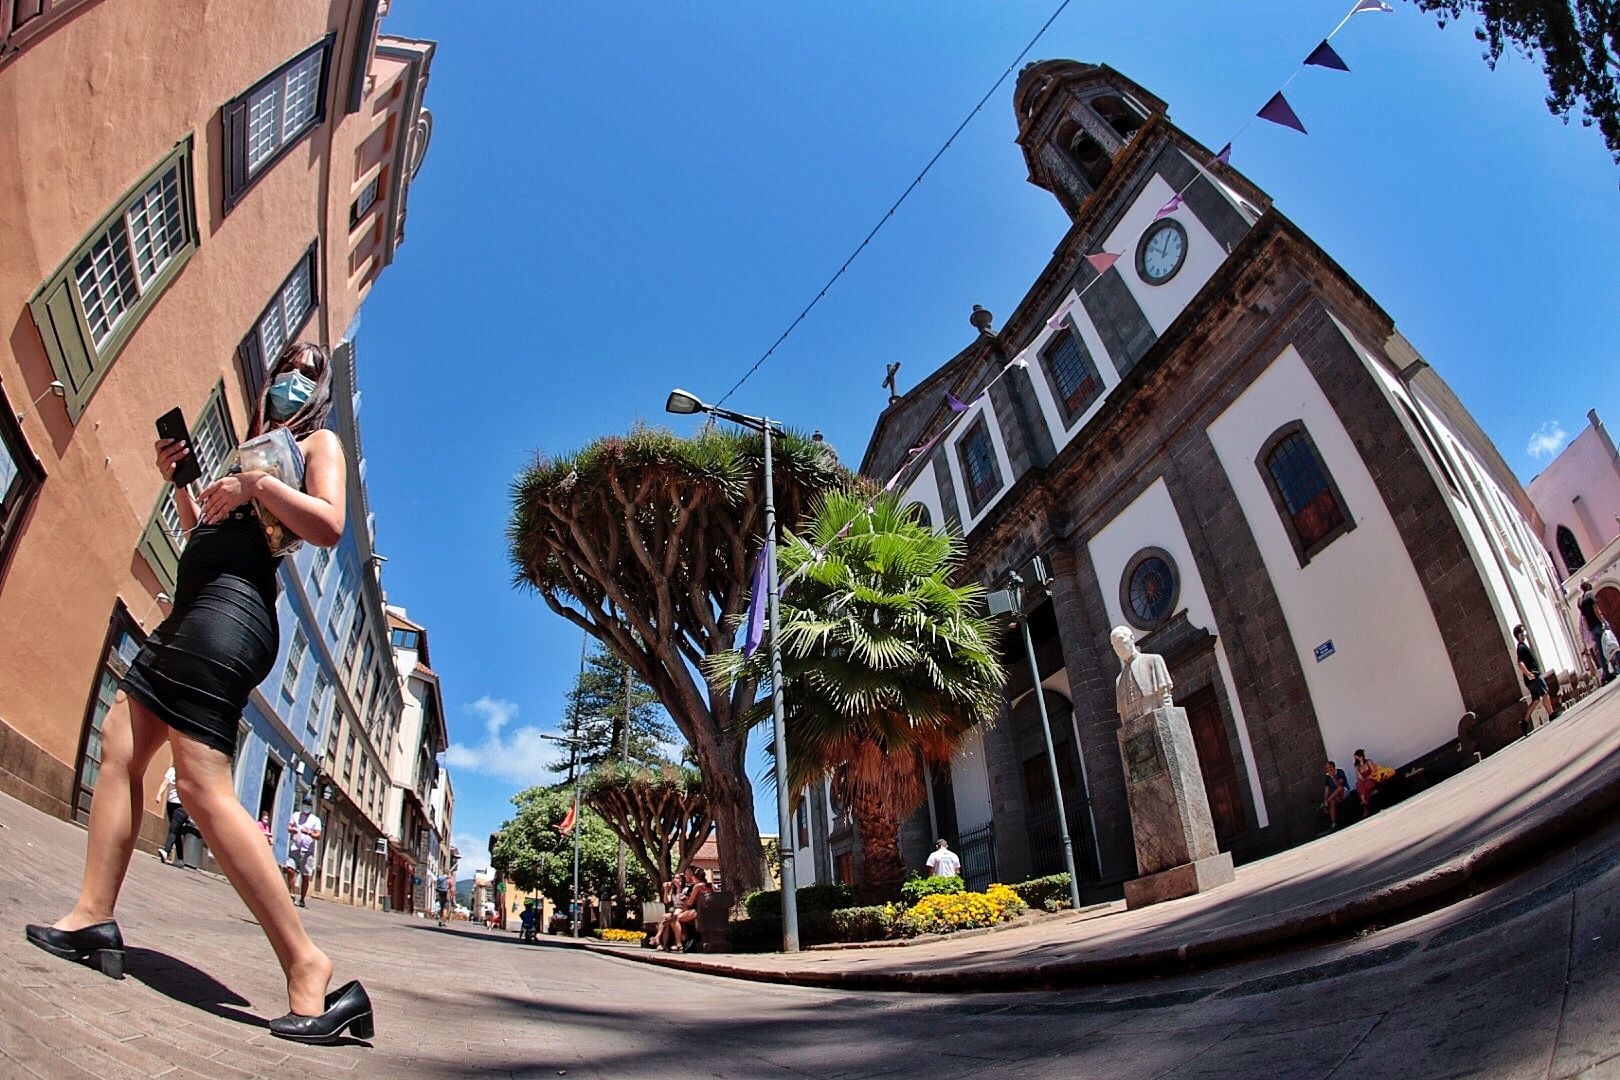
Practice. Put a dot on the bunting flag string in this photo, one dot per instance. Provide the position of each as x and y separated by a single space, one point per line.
1277 110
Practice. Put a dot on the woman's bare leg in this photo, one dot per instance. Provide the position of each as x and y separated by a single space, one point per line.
209 796
127 746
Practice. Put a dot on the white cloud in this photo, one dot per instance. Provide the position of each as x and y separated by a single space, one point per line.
1548 440
474 853
518 756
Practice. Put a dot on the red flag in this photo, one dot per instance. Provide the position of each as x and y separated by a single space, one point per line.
1102 260
568 820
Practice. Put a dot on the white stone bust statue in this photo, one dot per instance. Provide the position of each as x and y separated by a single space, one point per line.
1144 682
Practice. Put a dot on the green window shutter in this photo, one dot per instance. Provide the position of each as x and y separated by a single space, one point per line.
158 548
66 341
58 311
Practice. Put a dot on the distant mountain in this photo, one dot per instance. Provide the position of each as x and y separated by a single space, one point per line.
464 889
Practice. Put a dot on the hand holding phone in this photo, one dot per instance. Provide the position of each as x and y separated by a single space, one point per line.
172 426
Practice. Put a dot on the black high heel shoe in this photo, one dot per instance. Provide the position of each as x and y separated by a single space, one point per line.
99 945
346 1007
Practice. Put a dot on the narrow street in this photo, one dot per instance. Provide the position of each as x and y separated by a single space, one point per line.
1520 981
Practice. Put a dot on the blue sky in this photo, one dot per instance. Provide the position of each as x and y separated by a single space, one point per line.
612 206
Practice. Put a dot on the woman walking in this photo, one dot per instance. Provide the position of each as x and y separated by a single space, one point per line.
190 683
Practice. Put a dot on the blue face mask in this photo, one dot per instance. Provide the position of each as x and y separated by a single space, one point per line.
288 394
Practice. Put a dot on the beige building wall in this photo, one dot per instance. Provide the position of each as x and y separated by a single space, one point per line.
92 98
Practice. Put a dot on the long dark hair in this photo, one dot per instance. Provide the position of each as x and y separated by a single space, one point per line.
311 416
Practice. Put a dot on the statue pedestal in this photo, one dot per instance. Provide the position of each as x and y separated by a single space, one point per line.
1175 837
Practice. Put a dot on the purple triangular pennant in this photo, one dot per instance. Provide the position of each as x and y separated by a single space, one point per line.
1168 208
1278 111
1370 5
1324 56
1224 156
960 406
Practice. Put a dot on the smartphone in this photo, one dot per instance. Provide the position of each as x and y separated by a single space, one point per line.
172 425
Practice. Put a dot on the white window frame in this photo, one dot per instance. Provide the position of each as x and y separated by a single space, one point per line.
272 124
295 660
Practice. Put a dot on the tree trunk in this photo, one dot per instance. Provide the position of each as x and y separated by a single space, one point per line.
731 801
881 871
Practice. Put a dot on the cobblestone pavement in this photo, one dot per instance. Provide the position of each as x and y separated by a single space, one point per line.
1520 980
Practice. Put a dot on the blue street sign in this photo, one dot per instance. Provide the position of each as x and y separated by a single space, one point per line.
1324 650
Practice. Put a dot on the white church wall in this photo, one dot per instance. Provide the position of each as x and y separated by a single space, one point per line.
925 490
970 783
1162 303
954 459
1580 490
1151 521
1388 684
1499 542
1080 322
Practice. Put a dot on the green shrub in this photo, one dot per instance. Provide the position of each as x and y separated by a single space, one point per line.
1038 892
864 923
919 887
813 900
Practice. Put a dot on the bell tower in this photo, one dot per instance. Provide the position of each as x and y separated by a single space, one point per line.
1074 120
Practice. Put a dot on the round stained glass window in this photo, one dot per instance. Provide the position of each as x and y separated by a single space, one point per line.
1151 590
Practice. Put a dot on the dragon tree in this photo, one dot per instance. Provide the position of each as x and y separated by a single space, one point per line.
661 814
647 541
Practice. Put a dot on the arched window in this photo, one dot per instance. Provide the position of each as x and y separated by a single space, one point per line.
1090 157
1570 549
1118 114
1306 498
920 512
979 467
1071 373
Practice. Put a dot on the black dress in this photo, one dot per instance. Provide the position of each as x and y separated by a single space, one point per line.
220 640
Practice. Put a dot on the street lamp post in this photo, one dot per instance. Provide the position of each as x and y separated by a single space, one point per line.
684 403
1010 601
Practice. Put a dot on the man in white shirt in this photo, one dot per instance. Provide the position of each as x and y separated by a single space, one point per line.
943 862
303 835
170 792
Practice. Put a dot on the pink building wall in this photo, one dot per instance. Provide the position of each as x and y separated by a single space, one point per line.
1580 490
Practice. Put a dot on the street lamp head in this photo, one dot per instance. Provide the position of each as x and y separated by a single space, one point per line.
683 403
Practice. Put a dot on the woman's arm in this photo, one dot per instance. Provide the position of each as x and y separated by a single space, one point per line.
316 514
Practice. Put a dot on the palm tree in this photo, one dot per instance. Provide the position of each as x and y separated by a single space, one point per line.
883 659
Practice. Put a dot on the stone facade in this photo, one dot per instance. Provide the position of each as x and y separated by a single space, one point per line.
1286 641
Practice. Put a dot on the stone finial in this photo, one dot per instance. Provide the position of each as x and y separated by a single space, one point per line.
981 319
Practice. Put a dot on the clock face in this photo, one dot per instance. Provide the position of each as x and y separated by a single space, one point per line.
1163 250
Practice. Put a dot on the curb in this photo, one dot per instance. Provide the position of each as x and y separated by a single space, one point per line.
1502 857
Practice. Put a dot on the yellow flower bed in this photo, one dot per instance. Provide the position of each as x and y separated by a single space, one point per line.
621 935
943 914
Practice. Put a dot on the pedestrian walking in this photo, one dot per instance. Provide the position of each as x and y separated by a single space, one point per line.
1530 672
169 794
189 684
303 837
444 895
1592 623
942 861
266 828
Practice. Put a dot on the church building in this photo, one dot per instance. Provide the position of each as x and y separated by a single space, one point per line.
1222 441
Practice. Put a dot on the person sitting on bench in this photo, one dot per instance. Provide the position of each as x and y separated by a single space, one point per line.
676 903
687 915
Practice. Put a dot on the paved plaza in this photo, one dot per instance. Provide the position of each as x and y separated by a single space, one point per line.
1519 979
